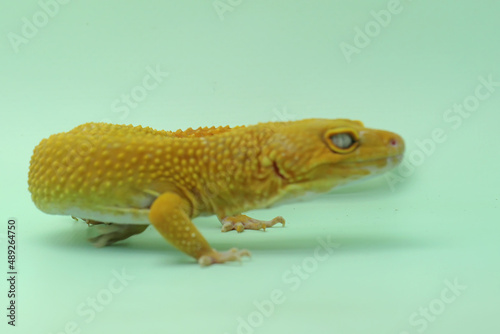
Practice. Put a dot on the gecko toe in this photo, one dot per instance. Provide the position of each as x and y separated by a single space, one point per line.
243 222
231 255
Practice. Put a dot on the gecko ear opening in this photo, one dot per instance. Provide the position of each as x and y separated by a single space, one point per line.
342 140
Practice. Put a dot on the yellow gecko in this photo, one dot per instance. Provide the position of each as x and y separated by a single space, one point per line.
121 178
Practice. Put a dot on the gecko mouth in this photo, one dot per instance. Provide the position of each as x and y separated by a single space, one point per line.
343 170
395 157
360 168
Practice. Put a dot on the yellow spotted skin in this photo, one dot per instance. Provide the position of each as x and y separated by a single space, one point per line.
121 174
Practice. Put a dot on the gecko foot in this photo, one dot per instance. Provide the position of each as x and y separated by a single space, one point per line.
242 222
214 256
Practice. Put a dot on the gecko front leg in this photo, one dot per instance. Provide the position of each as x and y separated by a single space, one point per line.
170 214
242 222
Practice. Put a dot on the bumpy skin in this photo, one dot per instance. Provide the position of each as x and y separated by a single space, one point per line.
121 174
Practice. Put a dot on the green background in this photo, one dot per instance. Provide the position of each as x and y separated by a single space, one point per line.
401 240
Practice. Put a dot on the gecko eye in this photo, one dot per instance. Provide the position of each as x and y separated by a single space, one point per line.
342 140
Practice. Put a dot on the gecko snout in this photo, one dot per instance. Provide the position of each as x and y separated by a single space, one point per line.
396 143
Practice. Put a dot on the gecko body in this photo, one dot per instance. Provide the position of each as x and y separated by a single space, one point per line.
121 178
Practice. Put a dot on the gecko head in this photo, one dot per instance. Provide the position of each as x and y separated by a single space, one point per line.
320 154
